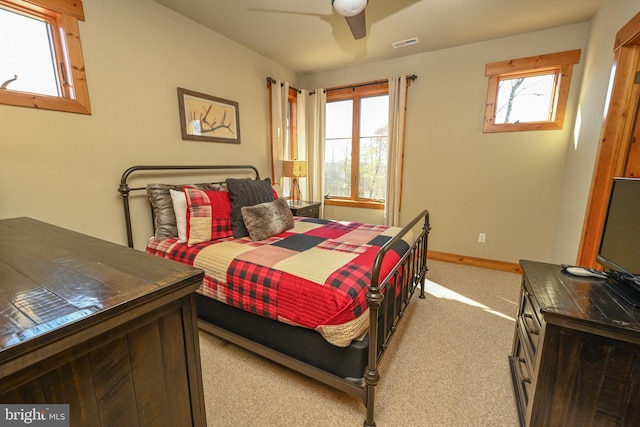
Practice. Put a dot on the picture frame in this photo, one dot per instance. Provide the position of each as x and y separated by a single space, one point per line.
208 118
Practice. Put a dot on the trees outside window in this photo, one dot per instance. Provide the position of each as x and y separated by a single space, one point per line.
41 63
356 146
529 93
526 99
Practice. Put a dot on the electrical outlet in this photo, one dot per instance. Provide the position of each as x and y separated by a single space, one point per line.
482 237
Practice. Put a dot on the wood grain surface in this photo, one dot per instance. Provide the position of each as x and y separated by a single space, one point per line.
109 330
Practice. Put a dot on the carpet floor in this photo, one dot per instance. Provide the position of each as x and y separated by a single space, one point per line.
447 366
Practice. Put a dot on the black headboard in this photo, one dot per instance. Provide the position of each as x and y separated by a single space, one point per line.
124 188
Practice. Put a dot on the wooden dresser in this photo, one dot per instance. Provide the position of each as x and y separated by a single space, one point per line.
109 330
576 352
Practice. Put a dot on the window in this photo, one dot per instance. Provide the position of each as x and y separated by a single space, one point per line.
292 128
291 142
529 93
356 145
41 64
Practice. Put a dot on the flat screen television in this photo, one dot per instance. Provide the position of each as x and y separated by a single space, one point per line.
619 251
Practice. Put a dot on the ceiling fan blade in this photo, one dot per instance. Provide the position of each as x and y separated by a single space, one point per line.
358 25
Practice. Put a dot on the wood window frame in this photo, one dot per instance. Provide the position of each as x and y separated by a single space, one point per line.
293 123
292 131
616 139
355 93
63 16
560 63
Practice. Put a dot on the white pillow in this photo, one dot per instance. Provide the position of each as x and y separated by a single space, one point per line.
180 208
276 187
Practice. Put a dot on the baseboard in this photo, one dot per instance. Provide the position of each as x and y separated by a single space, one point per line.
476 262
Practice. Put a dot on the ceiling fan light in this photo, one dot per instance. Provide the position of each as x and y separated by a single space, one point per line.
349 7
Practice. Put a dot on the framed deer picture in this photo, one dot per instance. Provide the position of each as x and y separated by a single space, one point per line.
208 118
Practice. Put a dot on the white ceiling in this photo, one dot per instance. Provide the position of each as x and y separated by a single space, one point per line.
308 36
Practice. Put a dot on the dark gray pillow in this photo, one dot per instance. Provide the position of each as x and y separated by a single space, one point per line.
267 219
164 218
246 192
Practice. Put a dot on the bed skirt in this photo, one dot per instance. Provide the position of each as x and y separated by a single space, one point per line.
303 344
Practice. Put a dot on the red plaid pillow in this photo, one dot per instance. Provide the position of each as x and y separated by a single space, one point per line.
208 215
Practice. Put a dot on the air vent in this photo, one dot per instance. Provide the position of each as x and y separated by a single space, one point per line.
405 43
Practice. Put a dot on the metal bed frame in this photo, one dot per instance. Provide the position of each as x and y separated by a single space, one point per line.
387 297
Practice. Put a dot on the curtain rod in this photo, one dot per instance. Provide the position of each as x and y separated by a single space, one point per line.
375 82
271 80
409 77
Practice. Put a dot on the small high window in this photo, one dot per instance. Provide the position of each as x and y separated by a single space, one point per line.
529 93
41 64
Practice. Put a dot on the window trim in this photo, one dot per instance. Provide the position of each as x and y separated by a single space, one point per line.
560 63
293 123
355 93
350 203
75 96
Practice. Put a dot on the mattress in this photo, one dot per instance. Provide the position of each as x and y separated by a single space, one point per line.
313 276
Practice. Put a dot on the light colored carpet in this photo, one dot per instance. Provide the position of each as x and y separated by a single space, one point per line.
447 366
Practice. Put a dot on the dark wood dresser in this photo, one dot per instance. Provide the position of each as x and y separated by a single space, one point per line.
109 330
576 352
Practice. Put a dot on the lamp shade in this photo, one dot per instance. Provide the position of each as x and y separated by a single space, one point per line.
349 7
294 168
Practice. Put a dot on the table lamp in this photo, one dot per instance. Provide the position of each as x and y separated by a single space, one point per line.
294 169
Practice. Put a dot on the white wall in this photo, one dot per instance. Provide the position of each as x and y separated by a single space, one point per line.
65 168
507 185
579 165
370 216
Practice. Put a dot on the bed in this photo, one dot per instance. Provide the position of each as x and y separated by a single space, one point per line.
311 294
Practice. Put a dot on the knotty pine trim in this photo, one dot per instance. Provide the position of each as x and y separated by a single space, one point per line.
351 203
509 267
615 138
540 62
560 63
70 62
72 8
628 35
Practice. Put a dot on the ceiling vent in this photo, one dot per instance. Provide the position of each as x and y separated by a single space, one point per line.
405 43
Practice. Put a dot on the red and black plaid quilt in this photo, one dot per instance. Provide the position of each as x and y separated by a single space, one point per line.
315 275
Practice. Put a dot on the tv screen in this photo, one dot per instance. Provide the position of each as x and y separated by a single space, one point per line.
620 243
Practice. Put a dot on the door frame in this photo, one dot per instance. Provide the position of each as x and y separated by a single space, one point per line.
615 138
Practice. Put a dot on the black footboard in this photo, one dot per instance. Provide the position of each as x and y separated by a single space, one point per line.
388 297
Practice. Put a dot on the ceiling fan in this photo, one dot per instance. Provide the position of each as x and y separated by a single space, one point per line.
353 11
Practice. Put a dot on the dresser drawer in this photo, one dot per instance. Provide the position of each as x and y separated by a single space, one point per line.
306 209
310 211
522 373
530 324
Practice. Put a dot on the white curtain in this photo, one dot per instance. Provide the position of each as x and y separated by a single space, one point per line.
311 110
301 101
279 134
397 105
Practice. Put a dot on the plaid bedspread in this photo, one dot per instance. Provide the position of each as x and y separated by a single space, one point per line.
315 275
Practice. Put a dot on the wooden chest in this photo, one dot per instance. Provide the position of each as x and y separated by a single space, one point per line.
576 352
109 330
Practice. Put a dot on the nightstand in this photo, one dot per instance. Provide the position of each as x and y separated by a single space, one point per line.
308 209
